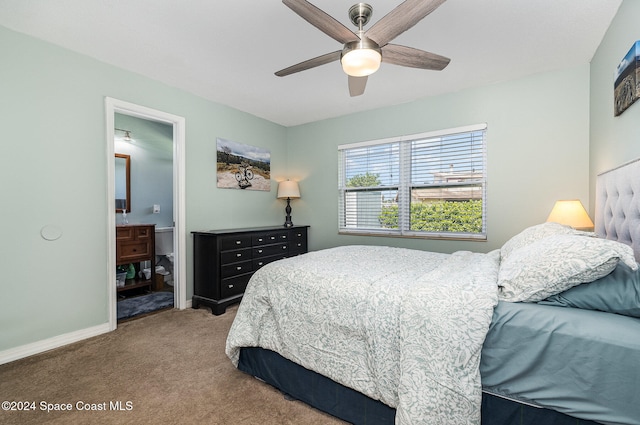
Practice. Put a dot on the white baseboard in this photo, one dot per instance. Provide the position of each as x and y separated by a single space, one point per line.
38 347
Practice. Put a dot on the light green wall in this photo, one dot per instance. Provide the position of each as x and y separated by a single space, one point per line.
614 140
53 169
538 147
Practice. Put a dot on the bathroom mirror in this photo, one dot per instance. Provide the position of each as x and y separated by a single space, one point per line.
123 182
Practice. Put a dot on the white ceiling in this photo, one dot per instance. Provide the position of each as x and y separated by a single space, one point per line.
227 51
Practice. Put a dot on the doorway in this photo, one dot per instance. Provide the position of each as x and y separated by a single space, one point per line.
113 107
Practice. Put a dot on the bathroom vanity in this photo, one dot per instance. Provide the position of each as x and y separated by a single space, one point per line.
225 260
135 243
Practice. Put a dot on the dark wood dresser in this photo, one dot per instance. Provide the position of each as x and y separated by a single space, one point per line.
136 243
225 260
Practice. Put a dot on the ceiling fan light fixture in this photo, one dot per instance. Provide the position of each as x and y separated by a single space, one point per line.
361 62
361 58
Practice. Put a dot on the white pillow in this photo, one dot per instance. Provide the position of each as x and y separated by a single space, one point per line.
535 233
556 263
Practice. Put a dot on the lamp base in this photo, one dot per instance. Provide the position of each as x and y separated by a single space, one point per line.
287 210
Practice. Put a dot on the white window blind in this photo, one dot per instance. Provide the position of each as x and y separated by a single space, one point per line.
426 185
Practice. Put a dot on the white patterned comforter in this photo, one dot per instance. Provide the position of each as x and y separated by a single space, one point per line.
402 326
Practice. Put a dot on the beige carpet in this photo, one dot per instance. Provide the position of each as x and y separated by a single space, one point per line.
166 368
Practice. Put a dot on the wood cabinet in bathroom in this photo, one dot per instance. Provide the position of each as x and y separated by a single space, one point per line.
225 260
135 243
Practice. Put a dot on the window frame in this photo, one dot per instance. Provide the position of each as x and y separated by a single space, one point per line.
405 186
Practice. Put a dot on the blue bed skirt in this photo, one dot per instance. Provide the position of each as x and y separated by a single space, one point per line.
351 406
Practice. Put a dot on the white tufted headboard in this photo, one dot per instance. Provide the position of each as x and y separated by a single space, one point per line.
618 205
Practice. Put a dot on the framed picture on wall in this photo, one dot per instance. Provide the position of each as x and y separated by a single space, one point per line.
627 80
241 166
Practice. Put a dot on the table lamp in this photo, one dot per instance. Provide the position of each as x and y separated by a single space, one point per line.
288 190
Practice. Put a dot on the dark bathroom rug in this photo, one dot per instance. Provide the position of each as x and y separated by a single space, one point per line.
132 307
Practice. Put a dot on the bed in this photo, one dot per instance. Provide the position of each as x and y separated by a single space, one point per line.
543 330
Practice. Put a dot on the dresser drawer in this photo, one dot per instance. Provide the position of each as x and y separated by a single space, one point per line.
132 251
143 233
298 246
235 269
234 285
235 242
234 256
267 250
124 233
259 262
270 237
299 235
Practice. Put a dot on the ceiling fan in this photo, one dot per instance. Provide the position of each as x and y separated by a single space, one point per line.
364 50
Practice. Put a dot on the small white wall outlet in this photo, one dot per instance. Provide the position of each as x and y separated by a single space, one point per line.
156 209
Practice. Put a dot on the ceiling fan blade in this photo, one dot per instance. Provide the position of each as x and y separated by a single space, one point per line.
414 58
311 63
322 21
357 85
400 19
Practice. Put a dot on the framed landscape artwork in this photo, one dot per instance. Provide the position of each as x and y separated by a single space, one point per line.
627 80
241 166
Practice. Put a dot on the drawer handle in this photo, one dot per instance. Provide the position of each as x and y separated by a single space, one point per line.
259 239
260 263
238 255
273 237
239 268
238 242
299 244
299 235
259 251
230 286
284 247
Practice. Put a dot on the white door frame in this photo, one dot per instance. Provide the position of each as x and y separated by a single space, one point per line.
179 204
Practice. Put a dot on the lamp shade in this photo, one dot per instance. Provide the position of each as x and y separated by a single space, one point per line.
570 213
288 189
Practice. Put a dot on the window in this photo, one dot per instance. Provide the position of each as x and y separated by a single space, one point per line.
430 185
